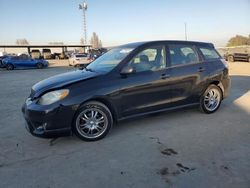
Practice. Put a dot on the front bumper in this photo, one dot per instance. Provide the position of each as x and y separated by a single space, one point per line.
48 121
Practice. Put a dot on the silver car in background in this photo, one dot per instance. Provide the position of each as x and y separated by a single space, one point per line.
79 59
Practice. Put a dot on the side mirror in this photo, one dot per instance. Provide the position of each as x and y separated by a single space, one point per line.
127 70
82 66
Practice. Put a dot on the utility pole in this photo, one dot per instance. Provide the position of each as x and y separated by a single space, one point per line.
84 8
185 30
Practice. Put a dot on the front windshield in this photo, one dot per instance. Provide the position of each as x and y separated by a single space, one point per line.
109 60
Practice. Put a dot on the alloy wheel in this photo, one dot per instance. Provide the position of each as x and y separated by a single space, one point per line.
212 99
91 123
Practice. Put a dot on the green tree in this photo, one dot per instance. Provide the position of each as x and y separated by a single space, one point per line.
239 40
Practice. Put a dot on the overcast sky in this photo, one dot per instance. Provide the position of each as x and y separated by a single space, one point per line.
122 21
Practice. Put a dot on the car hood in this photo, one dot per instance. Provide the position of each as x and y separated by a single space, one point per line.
61 80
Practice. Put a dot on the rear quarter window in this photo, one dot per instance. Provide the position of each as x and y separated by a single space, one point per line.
209 53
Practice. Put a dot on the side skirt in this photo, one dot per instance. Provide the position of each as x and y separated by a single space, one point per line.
161 110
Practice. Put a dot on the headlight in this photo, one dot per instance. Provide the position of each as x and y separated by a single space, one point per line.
53 96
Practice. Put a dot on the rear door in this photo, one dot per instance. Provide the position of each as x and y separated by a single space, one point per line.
188 73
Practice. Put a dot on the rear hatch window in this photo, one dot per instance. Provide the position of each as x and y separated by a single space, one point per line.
209 53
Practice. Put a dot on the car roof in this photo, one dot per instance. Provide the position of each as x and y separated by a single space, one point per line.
137 44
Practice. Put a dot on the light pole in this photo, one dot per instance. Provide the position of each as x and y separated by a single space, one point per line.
185 30
84 8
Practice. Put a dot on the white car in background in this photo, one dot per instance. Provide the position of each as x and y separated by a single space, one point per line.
79 59
3 54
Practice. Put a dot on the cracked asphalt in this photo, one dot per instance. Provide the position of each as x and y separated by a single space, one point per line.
179 149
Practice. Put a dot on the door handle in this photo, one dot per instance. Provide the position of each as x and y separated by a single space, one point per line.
165 76
201 69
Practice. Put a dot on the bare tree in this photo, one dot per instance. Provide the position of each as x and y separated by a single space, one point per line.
100 44
23 41
56 43
82 41
95 42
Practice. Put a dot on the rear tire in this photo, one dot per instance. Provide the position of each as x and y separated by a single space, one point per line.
230 58
10 67
211 99
92 121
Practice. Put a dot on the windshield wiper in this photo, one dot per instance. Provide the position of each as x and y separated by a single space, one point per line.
85 68
88 69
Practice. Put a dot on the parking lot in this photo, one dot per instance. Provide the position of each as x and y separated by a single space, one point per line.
185 148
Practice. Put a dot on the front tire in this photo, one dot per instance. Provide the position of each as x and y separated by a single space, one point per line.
211 99
92 121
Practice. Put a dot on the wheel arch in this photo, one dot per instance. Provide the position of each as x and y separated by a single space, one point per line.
106 102
10 63
219 84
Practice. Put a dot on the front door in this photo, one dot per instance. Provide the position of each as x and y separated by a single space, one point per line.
24 61
148 88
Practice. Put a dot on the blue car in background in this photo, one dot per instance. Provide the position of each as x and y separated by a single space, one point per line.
2 58
23 62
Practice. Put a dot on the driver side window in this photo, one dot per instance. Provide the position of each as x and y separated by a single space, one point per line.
150 59
23 57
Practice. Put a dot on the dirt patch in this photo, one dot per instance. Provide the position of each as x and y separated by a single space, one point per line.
165 171
169 151
184 168
157 139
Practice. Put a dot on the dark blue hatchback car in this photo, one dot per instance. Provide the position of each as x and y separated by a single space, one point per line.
126 82
24 62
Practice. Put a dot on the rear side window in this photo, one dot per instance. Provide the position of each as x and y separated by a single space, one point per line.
209 53
182 54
